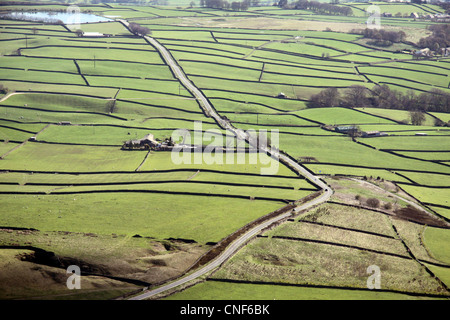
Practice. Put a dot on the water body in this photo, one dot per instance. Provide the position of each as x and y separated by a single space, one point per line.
51 17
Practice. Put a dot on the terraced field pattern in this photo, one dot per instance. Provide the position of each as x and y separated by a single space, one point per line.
135 218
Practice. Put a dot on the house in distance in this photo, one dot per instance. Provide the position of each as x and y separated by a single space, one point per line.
147 143
81 33
371 134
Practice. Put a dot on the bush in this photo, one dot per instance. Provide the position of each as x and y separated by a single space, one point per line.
387 206
373 202
138 29
380 43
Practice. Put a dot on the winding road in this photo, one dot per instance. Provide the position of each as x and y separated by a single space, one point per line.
240 134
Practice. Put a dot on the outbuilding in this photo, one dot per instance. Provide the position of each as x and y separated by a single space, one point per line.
371 134
147 142
345 129
94 35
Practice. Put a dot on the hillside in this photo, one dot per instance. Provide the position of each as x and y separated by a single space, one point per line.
134 217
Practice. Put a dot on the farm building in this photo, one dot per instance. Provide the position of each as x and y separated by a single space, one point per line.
441 17
423 53
371 134
146 143
345 129
94 35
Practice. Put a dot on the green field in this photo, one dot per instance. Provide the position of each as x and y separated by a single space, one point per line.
297 256
435 240
151 214
210 290
105 214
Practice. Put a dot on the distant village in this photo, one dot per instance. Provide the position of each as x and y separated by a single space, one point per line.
438 17
427 53
354 132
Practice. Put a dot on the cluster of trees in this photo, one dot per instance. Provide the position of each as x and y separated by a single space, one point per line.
138 29
3 89
445 6
382 97
316 6
381 37
235 5
215 4
240 6
440 37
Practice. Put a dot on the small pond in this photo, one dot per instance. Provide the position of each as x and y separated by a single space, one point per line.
51 17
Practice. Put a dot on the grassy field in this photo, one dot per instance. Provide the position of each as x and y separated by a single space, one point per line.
300 262
435 241
211 290
297 259
146 214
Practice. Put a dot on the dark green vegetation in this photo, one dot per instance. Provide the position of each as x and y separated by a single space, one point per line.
259 68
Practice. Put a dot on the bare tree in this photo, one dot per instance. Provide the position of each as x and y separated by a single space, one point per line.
354 131
373 202
356 97
326 98
417 117
384 97
138 29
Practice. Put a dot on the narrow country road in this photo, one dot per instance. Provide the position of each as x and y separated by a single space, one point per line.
232 248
